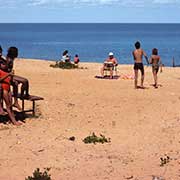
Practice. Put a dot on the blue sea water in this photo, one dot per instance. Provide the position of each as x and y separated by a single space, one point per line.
91 42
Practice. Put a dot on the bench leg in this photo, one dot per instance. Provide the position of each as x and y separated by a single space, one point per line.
33 108
23 112
23 105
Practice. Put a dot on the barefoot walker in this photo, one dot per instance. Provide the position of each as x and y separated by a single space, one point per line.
138 54
155 60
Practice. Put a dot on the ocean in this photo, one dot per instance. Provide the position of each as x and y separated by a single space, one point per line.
92 42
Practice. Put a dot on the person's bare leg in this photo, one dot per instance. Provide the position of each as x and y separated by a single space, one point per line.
24 87
8 108
155 79
111 73
102 71
135 79
142 81
15 92
2 113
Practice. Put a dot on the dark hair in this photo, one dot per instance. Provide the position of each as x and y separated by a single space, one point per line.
12 52
155 51
76 55
1 49
137 45
65 52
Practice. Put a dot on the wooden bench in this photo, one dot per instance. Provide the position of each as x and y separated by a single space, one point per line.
31 98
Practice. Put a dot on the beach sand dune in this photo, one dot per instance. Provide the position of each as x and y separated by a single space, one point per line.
144 125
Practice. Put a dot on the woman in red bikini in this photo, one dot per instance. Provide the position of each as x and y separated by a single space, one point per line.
5 79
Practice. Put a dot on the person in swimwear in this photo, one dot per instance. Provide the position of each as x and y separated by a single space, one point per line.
16 80
138 54
66 57
76 59
110 62
1 99
155 60
5 79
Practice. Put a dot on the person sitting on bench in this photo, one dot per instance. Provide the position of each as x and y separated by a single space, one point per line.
16 80
5 79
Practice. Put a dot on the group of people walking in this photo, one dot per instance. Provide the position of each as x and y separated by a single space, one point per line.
138 55
8 79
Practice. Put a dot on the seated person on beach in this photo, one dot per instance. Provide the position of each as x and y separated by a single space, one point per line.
1 109
76 59
155 60
16 80
109 63
66 57
5 79
138 54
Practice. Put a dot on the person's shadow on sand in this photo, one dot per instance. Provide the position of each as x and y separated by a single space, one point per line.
159 85
107 77
20 116
140 87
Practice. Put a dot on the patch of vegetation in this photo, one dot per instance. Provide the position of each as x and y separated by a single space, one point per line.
38 175
164 160
95 139
64 65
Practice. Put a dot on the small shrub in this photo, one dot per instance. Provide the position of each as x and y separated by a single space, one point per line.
64 65
95 139
164 160
37 175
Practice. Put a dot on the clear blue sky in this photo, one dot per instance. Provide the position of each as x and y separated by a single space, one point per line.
120 11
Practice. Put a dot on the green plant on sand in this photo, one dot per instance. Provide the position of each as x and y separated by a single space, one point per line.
95 139
64 65
38 175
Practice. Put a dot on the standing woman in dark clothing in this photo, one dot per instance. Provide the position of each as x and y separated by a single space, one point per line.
16 80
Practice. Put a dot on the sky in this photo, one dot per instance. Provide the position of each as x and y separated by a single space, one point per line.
90 11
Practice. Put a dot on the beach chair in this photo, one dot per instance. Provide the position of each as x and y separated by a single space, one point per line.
110 66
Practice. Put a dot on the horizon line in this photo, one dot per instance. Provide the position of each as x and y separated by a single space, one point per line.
89 22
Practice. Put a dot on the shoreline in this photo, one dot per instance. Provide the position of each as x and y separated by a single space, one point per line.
86 62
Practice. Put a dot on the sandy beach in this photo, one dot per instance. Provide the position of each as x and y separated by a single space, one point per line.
143 125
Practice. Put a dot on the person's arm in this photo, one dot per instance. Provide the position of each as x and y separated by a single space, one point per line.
145 55
115 62
150 60
133 55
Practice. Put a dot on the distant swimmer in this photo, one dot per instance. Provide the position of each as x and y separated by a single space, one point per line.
138 54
